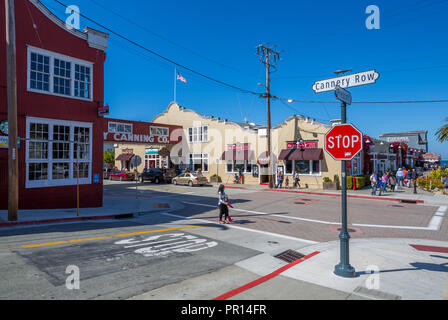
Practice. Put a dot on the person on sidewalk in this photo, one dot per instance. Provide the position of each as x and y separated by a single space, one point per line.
400 177
287 182
222 203
296 180
414 177
408 177
382 186
374 183
280 178
392 181
445 183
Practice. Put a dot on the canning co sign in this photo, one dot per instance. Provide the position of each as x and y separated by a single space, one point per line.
130 137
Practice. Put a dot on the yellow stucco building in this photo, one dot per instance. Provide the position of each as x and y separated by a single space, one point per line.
223 147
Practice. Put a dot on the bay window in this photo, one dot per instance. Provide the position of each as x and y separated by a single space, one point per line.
198 134
53 150
303 167
233 166
199 161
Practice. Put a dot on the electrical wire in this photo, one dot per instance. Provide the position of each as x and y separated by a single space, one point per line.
161 56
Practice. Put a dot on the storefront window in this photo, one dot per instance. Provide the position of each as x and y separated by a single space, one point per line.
52 152
288 166
316 167
233 166
199 161
303 167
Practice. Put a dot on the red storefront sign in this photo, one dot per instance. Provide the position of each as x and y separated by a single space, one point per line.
237 147
301 145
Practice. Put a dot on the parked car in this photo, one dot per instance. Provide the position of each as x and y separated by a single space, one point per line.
121 175
190 179
106 173
153 175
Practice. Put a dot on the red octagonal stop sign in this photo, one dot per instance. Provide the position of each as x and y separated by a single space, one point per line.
343 141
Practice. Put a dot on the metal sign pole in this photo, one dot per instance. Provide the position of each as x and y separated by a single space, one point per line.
344 269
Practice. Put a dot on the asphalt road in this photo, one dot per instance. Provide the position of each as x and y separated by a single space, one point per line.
129 258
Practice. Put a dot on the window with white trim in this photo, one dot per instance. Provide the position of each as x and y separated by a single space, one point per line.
198 134
234 166
159 131
56 152
118 127
57 74
303 167
199 161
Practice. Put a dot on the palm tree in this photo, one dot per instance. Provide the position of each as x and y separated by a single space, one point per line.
442 133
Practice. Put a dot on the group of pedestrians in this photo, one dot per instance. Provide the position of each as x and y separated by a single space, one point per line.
402 177
281 179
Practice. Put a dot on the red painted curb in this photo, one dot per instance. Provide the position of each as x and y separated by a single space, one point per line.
33 222
264 278
430 248
348 195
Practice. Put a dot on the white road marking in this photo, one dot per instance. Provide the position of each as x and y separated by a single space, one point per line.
434 224
241 228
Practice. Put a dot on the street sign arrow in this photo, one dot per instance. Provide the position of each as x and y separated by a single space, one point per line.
343 95
346 81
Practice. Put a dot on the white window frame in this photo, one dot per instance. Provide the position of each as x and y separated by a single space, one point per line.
73 62
198 134
310 173
50 182
202 157
246 162
160 135
119 123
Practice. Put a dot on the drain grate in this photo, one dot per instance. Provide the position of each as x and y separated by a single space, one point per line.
397 206
289 256
298 202
306 199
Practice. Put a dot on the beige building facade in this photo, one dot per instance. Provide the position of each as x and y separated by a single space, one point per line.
225 148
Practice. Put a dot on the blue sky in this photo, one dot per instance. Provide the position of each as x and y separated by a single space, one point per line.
218 38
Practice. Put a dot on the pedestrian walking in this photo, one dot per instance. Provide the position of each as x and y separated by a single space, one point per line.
414 177
445 183
296 179
240 175
400 177
408 177
374 183
383 183
223 202
392 181
287 183
280 178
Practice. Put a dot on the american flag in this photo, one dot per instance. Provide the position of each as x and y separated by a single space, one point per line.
179 77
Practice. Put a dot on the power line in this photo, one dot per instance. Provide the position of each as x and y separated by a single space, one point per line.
161 56
168 40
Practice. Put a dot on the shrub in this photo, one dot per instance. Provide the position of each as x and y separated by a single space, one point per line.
326 179
429 183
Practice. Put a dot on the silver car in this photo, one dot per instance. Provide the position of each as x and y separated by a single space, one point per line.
190 179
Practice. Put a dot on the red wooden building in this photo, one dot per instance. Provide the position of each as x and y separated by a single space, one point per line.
60 86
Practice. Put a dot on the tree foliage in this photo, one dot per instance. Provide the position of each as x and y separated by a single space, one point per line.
109 156
442 133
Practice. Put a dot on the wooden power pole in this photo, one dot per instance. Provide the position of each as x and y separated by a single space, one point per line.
13 168
265 54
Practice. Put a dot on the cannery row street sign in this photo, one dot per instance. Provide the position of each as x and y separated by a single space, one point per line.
347 81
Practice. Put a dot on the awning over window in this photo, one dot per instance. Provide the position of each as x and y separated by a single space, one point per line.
301 154
263 158
124 157
238 155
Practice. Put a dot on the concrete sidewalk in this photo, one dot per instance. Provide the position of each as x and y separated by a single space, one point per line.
114 207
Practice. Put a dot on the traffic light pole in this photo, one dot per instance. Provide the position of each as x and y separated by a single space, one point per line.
344 269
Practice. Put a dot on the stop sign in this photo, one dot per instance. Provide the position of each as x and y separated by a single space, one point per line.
343 141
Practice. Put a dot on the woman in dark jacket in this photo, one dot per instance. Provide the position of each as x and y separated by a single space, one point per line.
392 181
222 203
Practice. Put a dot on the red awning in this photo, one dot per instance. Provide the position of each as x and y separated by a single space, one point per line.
285 153
306 154
263 158
124 157
238 155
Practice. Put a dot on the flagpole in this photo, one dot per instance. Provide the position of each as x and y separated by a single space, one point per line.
175 78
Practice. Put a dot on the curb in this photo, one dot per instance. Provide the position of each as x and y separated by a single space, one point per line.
349 195
35 222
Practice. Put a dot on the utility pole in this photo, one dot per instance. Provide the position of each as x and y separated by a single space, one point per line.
265 54
13 168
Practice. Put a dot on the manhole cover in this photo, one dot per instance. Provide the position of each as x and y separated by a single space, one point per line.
306 199
298 202
289 256
349 230
397 206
